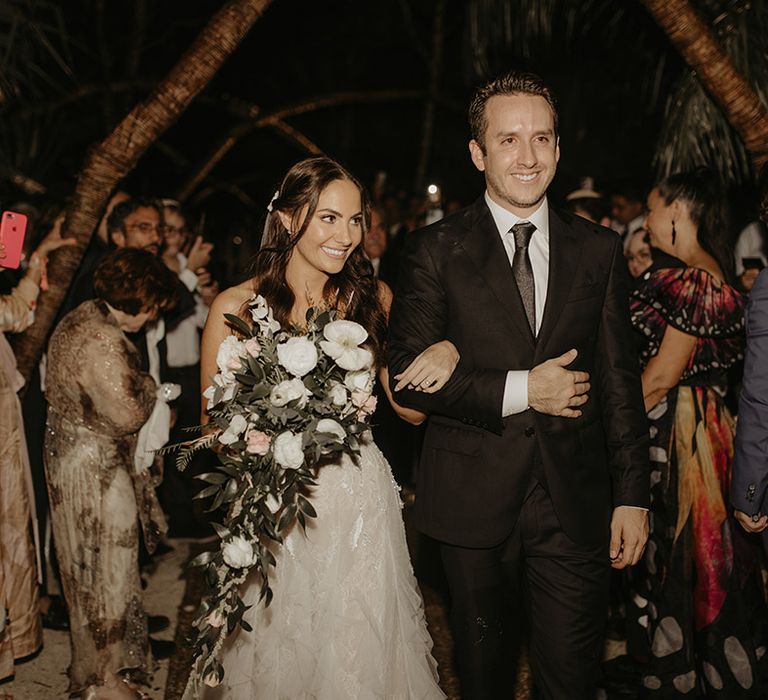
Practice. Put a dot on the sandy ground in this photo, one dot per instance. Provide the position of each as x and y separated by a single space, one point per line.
44 677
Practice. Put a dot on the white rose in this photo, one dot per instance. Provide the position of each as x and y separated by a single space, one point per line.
297 355
289 390
338 394
229 355
287 450
342 340
328 425
359 381
238 553
236 427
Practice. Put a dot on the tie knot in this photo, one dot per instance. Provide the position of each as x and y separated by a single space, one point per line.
522 231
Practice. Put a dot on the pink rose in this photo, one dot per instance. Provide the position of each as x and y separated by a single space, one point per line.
252 347
257 442
359 397
234 363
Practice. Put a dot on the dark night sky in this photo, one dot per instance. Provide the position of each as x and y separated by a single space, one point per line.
301 49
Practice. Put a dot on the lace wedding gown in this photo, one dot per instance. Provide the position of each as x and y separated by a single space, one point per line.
346 621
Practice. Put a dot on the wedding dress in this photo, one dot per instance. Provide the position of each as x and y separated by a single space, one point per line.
347 620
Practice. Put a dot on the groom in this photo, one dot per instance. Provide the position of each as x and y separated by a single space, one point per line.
531 474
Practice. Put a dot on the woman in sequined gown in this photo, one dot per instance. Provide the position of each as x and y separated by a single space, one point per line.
98 400
698 598
347 620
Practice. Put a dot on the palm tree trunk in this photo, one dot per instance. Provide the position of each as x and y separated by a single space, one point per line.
116 156
714 68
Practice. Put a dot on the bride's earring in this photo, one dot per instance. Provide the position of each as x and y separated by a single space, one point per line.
674 232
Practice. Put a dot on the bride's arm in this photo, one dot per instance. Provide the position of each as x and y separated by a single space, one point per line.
216 330
428 372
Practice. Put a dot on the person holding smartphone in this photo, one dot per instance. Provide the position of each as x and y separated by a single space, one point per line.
20 629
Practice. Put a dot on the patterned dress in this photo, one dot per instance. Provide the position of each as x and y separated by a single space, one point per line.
20 630
98 400
698 597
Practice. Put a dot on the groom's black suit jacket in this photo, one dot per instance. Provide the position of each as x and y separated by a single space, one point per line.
456 282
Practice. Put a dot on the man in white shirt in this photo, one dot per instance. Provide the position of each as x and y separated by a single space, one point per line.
534 468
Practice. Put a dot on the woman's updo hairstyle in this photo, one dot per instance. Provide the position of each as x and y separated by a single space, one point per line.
704 195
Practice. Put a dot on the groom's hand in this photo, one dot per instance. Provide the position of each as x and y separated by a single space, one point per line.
555 390
629 533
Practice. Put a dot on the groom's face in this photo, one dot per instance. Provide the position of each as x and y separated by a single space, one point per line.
520 153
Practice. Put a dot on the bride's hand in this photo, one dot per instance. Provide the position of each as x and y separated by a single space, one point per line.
431 369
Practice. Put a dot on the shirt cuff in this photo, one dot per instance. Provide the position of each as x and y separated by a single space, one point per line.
634 507
189 279
515 393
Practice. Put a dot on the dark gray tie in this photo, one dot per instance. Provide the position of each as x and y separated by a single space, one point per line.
523 270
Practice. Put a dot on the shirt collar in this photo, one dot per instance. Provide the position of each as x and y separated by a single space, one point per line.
505 219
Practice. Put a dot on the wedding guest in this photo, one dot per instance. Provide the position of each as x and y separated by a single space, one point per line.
188 259
699 598
589 204
20 629
638 253
627 209
98 400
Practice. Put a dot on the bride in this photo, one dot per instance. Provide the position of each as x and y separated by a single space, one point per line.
346 620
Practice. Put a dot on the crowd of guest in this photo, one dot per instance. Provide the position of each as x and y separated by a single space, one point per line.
85 500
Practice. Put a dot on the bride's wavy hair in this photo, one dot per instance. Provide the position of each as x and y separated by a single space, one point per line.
353 290
704 195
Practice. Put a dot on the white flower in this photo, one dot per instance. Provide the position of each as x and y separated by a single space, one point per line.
259 308
338 394
229 354
289 390
342 339
238 553
360 380
273 505
328 425
287 450
298 355
261 313
235 429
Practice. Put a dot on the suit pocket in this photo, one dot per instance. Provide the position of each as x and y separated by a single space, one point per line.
453 436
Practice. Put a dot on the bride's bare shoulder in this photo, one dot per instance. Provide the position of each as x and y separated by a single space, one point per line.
231 300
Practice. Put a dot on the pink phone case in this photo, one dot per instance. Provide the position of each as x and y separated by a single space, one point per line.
12 230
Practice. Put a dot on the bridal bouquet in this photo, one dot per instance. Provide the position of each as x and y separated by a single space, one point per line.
281 402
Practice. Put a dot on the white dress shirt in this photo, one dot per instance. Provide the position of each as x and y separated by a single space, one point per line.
516 387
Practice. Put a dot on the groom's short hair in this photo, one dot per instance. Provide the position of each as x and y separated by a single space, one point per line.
512 83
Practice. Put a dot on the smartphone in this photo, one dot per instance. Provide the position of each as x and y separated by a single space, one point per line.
752 263
13 226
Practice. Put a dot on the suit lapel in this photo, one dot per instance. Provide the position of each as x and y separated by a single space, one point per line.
483 245
564 255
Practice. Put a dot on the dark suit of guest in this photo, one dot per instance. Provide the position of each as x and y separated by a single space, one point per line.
749 485
527 496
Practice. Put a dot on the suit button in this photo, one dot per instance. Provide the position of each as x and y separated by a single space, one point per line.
530 431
